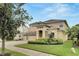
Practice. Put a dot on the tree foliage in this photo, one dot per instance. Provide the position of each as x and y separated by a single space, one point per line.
73 31
11 17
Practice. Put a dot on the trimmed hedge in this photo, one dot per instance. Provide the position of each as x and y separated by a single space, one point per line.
46 41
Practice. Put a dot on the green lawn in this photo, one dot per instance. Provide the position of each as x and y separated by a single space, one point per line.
14 53
60 50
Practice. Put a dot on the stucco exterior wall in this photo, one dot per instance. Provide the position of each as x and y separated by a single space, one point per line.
31 38
32 29
55 33
44 32
54 28
62 35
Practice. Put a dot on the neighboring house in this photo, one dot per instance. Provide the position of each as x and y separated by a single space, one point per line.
21 35
40 29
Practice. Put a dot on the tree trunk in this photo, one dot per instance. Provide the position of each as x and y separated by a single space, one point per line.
3 25
78 42
3 46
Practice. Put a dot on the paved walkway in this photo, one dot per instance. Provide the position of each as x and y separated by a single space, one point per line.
11 45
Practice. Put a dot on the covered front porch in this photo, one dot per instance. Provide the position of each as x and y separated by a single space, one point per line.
42 33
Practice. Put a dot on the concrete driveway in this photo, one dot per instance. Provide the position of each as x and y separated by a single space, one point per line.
11 45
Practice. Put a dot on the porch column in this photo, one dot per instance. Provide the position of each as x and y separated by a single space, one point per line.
37 34
43 33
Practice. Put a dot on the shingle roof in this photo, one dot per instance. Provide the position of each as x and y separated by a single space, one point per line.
50 21
31 34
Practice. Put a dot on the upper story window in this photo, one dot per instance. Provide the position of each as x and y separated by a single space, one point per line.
39 26
51 26
61 25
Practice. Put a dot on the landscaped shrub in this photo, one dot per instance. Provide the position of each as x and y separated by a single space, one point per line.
46 41
58 40
38 41
41 40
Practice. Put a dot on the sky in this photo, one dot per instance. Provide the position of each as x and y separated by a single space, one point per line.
47 11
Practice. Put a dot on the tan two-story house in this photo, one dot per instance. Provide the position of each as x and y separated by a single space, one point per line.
40 29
